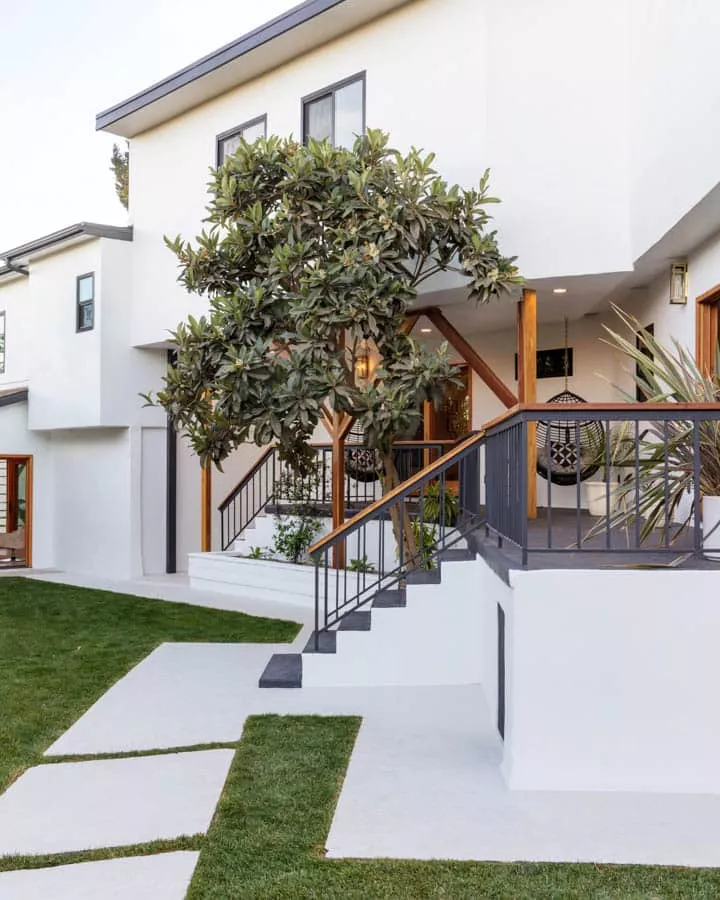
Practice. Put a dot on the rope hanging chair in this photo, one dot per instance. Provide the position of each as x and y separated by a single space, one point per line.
361 463
567 451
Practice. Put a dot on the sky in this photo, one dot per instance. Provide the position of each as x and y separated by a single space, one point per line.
63 61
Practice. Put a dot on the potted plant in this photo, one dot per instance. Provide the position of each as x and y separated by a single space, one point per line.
613 456
658 483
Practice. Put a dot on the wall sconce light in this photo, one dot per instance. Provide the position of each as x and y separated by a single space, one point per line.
678 283
362 365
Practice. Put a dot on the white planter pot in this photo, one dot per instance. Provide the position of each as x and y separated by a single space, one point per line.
595 493
711 527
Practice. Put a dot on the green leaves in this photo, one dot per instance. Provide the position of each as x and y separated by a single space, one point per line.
308 255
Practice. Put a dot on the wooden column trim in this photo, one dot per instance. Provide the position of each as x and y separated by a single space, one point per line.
29 486
706 330
527 385
471 357
206 508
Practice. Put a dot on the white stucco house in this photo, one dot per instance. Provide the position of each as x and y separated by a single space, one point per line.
597 122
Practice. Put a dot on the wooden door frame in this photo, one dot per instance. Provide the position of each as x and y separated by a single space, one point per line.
707 318
27 458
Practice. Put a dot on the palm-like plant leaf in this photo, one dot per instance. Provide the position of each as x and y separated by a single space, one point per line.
655 483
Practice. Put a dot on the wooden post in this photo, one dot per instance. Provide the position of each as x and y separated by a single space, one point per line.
206 508
527 386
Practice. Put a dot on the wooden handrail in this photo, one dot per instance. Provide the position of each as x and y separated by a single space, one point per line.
406 486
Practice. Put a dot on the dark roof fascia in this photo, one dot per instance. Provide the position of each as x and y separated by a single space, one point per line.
10 397
283 23
80 229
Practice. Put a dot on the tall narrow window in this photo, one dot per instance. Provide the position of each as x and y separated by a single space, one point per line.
336 113
229 141
2 342
85 297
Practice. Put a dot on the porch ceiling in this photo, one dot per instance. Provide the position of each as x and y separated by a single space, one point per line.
585 293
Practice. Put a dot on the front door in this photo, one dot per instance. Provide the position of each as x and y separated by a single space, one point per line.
15 486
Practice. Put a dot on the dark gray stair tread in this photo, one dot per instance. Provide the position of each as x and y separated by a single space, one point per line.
424 576
356 621
455 554
390 598
283 671
326 642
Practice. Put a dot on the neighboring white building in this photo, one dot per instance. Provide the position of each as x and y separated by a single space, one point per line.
597 120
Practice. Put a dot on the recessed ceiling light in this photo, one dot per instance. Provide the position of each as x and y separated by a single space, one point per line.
559 290
426 330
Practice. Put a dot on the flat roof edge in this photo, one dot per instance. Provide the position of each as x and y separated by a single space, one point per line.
8 397
91 229
280 25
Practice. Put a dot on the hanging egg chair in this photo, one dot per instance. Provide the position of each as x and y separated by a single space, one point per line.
567 452
361 463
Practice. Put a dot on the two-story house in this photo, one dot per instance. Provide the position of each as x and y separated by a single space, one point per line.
595 120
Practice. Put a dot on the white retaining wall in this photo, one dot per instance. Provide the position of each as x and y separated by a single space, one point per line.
611 680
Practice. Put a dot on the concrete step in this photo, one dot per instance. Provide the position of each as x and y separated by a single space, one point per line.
321 642
390 598
283 671
360 620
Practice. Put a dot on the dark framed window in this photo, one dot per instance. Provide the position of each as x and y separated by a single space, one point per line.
556 363
228 142
639 392
336 113
85 301
2 342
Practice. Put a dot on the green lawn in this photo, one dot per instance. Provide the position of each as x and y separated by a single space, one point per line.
62 647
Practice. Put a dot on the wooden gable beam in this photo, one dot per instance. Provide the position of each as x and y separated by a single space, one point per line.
527 386
471 356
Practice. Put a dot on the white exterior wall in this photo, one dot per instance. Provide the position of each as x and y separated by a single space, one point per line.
65 364
97 502
607 685
487 99
675 94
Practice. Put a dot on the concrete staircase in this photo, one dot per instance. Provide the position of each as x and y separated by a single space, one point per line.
427 632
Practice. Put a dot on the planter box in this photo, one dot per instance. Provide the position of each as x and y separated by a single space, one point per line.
261 579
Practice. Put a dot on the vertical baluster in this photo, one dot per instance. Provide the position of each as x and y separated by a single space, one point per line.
666 483
697 523
607 484
441 511
381 545
317 604
364 558
578 485
326 555
637 484
549 510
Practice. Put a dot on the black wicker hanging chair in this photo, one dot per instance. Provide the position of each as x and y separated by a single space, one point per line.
361 463
567 452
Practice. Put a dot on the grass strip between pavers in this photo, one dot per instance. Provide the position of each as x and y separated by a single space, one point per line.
63 647
268 836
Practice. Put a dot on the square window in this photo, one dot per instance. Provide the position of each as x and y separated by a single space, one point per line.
229 141
336 113
85 300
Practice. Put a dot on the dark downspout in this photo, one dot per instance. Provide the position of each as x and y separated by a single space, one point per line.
171 492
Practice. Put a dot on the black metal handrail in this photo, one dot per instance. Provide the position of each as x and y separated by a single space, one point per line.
403 532
260 487
624 481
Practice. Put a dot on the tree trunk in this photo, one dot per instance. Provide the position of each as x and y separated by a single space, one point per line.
399 515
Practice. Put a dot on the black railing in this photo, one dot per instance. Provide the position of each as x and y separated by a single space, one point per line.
399 535
271 484
620 479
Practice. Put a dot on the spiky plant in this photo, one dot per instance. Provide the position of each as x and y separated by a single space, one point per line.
666 450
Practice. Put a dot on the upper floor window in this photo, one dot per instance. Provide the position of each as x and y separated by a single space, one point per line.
336 112
85 297
229 141
2 342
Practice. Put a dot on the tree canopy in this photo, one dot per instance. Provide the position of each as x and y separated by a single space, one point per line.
120 167
310 255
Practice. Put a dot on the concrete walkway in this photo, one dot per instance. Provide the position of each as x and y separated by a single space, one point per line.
423 781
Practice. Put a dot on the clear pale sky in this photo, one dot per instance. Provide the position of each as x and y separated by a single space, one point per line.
61 62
